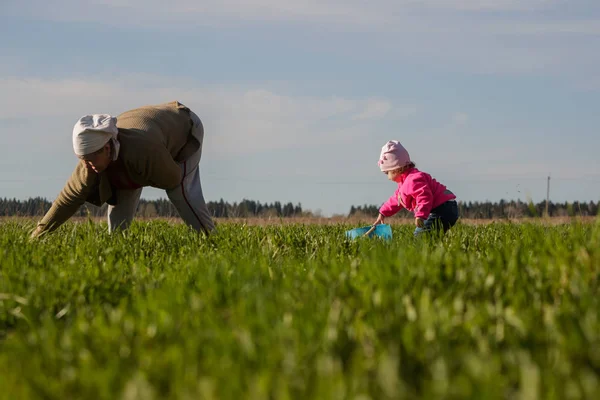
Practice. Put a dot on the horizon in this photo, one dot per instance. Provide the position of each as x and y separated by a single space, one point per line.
359 207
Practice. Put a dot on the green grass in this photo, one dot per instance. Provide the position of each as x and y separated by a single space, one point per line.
494 311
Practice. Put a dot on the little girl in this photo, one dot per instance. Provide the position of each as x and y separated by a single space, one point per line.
434 206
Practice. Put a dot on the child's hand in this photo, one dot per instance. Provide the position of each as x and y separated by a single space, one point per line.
419 222
380 220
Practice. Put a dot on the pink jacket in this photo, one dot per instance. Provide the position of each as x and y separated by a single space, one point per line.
417 191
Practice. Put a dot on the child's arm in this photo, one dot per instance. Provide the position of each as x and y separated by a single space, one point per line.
423 197
391 206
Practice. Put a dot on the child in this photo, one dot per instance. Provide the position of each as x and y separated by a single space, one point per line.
434 206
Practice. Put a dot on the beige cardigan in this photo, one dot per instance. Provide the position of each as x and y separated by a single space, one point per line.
154 139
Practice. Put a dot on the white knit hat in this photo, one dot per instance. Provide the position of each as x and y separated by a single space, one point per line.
92 132
393 156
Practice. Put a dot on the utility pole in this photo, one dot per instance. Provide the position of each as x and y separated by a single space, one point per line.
547 196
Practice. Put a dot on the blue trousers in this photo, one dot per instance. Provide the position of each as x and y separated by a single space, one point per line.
443 217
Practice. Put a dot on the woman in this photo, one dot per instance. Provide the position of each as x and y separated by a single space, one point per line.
157 145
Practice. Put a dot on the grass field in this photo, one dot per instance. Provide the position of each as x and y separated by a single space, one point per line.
490 311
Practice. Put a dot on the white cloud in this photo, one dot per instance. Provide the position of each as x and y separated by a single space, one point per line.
375 109
33 97
547 37
460 118
589 27
485 5
208 12
259 118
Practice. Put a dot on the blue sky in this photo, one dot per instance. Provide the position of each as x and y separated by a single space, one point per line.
297 98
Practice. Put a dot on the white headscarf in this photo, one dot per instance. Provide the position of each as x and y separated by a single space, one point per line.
92 132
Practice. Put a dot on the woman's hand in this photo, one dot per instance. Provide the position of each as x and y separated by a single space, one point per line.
35 233
419 222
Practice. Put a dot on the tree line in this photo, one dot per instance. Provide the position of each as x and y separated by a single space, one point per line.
38 206
502 209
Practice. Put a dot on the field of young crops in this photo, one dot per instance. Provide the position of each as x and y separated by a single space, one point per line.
495 311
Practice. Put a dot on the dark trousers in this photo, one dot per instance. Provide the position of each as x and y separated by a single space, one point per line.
443 217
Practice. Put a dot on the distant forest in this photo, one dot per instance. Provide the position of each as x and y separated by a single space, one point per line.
503 209
249 208
158 208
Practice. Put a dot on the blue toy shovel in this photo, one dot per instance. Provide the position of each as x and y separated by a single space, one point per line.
382 231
